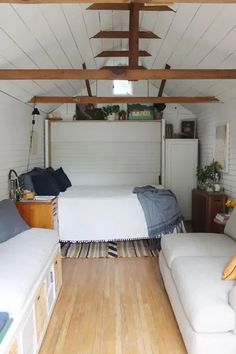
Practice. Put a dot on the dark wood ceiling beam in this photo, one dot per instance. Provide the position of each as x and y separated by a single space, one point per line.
163 83
121 67
117 74
102 100
87 83
134 36
126 7
124 34
121 53
149 2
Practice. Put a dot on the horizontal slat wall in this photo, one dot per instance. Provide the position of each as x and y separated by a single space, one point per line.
207 121
107 152
15 125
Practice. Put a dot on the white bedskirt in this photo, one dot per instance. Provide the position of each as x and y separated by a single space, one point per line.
95 213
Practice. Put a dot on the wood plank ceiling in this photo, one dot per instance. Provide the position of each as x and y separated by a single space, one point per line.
61 36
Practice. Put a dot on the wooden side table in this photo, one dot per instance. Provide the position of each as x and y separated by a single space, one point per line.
205 206
37 213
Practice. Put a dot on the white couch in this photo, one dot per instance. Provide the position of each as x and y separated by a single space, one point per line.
204 305
30 279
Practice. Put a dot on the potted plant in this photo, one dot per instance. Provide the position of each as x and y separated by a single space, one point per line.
209 176
110 112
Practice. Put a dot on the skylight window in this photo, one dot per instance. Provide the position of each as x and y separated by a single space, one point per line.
122 87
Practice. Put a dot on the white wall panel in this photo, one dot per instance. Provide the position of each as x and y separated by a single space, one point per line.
107 152
15 125
208 119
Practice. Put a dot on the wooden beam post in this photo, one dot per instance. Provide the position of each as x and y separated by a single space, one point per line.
133 35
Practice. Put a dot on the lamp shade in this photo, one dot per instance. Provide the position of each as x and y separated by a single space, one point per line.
35 112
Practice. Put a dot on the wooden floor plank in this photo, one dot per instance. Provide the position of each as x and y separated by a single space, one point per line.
112 306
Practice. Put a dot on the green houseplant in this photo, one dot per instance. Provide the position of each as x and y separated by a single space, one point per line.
209 176
111 111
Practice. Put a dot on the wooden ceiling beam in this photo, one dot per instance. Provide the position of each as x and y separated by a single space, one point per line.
121 53
117 74
155 3
121 67
104 100
124 34
87 83
126 7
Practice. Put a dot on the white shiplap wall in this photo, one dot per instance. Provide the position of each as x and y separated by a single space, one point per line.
98 153
208 119
15 126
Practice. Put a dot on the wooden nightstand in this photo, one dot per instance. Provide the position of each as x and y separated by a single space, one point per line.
205 206
39 213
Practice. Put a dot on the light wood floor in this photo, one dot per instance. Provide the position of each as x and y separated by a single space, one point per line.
112 306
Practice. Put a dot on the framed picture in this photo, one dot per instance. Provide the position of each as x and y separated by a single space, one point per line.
188 128
222 146
140 111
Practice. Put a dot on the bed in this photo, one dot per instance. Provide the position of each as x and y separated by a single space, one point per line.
101 213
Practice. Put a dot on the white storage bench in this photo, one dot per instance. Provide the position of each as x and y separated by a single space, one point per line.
30 280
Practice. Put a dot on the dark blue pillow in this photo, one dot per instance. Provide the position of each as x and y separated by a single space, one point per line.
11 223
45 184
62 179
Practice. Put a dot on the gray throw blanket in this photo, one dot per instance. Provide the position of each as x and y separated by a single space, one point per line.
161 210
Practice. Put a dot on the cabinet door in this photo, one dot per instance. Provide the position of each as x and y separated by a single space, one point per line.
41 312
181 165
57 273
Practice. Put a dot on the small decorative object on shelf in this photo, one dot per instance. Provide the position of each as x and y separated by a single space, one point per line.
111 112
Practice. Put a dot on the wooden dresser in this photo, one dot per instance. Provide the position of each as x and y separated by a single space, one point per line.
205 206
37 213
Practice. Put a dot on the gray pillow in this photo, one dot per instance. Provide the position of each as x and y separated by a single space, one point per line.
230 227
11 223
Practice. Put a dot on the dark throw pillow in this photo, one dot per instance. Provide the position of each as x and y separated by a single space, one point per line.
11 223
62 179
45 184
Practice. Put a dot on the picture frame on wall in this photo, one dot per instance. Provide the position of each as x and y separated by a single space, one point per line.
188 128
222 146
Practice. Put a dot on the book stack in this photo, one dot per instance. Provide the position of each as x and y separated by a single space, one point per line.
5 322
222 217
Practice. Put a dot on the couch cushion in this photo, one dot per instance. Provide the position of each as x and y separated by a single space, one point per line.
197 244
11 223
203 294
22 260
230 227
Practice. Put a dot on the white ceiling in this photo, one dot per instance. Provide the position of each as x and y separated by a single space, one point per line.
58 36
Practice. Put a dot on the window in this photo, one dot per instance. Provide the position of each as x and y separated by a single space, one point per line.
122 87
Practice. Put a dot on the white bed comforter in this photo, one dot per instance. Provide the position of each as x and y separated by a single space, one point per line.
100 213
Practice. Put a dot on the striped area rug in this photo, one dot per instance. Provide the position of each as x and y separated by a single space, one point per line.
113 249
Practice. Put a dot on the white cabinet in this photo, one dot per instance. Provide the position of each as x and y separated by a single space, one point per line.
181 160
